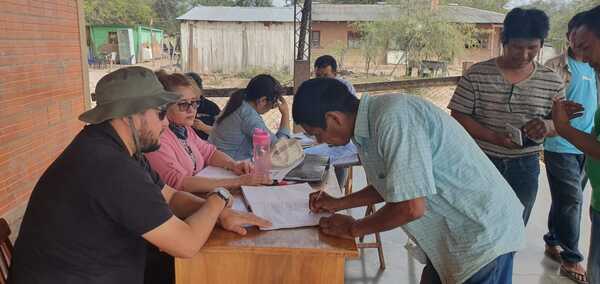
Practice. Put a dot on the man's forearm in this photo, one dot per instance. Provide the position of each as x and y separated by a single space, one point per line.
390 216
204 219
364 197
587 143
184 204
474 128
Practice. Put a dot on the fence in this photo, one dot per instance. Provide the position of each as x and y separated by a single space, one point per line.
437 90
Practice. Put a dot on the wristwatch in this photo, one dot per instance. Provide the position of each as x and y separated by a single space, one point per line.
221 193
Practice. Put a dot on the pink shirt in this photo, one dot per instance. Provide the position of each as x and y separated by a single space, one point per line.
173 163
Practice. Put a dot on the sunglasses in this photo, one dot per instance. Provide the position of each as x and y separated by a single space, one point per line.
185 106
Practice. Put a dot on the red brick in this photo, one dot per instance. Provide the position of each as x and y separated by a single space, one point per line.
41 89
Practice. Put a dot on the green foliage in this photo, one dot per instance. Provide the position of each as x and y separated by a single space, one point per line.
560 12
339 51
167 12
421 36
126 12
159 13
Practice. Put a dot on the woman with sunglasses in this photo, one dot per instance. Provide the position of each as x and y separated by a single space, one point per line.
232 132
183 154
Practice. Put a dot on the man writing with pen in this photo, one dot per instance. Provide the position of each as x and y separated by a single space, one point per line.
435 181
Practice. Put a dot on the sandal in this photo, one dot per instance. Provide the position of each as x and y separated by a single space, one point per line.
554 255
575 276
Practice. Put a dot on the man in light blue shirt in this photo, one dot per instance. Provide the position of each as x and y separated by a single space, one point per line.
565 163
435 181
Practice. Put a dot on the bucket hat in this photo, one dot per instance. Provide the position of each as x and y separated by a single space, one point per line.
125 92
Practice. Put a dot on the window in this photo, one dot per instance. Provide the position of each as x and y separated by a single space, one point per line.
481 40
353 40
112 38
315 39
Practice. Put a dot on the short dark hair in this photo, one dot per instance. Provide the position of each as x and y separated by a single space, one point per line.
318 96
525 23
194 76
326 60
591 20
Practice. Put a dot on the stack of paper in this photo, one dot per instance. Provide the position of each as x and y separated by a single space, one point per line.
285 206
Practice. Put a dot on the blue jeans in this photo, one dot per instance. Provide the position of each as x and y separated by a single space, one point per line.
499 271
593 267
522 175
567 181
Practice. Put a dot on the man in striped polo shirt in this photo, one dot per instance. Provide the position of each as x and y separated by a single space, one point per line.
512 91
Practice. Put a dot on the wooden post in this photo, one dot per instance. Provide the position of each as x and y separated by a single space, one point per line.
301 74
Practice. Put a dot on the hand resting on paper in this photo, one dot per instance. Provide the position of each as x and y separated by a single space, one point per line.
234 221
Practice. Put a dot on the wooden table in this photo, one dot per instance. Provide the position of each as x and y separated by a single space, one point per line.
301 255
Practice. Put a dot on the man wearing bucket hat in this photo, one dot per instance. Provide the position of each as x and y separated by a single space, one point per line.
92 209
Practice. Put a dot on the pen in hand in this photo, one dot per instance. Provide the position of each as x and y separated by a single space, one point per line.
317 198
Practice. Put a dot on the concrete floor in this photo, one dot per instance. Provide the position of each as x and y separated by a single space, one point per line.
531 266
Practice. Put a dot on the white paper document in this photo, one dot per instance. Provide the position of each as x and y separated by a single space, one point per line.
239 205
216 172
285 206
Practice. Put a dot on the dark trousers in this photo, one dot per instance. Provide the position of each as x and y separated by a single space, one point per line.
160 267
499 271
567 180
522 175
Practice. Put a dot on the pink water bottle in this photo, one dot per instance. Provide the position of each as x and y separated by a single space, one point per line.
261 144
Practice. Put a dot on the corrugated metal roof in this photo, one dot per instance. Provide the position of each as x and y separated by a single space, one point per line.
335 13
468 15
239 14
354 13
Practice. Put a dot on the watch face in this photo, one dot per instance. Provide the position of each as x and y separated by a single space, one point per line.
225 193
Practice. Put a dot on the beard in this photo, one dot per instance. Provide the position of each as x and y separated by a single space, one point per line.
148 143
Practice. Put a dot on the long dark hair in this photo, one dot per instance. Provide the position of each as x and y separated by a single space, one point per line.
262 85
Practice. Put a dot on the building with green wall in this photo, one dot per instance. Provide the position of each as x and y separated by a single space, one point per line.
102 39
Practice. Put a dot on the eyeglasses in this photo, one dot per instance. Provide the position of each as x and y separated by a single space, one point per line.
185 106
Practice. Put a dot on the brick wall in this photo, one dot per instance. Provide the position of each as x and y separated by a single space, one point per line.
41 93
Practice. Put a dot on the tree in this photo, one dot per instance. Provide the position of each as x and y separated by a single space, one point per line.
126 12
420 34
167 12
372 42
560 13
